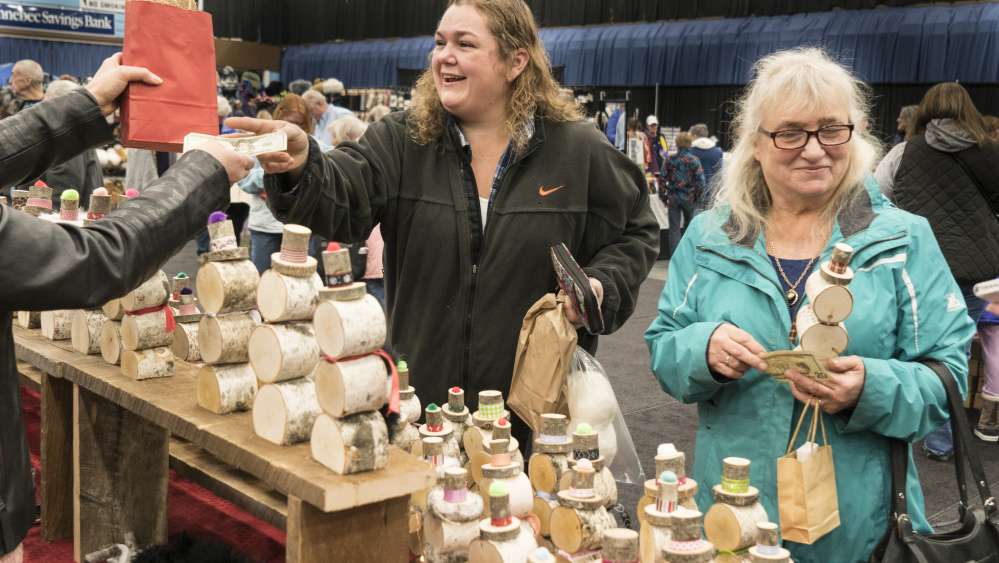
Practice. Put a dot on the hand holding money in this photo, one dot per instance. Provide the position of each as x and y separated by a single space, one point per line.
290 160
733 351
839 390
248 145
236 165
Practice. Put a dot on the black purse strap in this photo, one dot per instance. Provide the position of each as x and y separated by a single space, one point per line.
977 182
962 452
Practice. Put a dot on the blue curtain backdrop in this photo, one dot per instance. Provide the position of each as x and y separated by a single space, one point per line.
57 57
913 45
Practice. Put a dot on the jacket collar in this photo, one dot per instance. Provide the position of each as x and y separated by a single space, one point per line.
456 139
856 216
703 143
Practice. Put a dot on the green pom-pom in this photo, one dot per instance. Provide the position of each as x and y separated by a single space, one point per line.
667 477
182 275
70 194
432 407
584 428
497 489
401 366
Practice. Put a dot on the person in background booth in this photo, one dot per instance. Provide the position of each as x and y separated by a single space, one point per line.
489 168
797 184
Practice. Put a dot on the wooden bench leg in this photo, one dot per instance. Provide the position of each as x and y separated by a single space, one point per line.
120 475
57 457
371 533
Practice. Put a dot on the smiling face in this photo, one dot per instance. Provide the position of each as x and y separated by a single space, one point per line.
471 77
807 176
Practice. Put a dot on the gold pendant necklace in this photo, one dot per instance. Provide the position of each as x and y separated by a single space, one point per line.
791 295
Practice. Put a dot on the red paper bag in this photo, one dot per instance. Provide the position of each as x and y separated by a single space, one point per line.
178 46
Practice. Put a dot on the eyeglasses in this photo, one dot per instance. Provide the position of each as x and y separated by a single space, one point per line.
829 136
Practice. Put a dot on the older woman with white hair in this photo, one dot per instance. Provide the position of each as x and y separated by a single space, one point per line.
798 184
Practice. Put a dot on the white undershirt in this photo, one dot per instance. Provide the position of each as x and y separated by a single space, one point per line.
483 208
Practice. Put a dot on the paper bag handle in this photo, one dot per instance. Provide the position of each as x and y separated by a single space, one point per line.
812 427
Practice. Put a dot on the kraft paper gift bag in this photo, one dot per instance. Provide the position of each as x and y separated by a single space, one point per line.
177 45
806 490
544 354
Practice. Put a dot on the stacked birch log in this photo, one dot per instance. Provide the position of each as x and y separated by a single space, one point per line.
686 544
586 445
284 351
404 434
111 345
502 537
549 461
227 288
490 422
669 459
579 522
87 324
185 338
352 380
819 322
731 523
452 519
147 330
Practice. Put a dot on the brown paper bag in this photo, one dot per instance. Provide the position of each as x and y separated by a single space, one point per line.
544 353
806 490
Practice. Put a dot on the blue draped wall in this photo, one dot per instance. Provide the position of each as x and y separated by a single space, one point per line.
57 57
925 45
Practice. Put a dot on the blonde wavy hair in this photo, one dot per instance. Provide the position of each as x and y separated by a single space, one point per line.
787 83
533 91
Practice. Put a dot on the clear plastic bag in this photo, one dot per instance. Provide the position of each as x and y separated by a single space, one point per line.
592 400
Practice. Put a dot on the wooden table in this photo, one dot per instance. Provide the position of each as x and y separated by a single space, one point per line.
108 437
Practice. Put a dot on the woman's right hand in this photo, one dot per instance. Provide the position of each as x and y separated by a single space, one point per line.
733 351
290 161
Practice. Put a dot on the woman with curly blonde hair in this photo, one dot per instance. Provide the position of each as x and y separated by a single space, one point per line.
472 187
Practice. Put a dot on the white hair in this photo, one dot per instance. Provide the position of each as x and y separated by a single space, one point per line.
312 98
59 87
225 108
798 81
31 69
347 129
333 86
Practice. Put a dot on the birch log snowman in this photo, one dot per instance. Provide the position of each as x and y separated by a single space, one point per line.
686 544
668 458
731 523
819 323
767 548
502 538
655 529
353 379
147 330
227 288
580 520
586 445
452 519
549 461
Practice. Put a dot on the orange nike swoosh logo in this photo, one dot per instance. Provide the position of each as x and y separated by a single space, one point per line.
544 192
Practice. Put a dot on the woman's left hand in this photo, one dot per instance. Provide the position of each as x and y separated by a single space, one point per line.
840 392
570 311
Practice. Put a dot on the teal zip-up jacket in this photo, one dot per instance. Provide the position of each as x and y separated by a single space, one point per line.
906 306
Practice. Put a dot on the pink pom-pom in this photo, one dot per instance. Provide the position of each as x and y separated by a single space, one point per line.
100 191
132 193
584 465
332 246
41 184
217 217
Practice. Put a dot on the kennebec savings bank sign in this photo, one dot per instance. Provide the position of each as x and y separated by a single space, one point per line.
46 18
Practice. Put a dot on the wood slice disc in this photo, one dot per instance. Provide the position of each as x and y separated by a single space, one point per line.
151 363
189 319
831 303
86 331
490 472
114 309
279 352
350 328
549 448
499 533
283 413
687 490
360 385
57 325
574 530
620 545
643 501
227 255
152 293
704 554
545 470
542 508
349 292
603 482
444 536
29 319
227 388
655 517
349 445
148 330
474 439
185 342
652 538
565 499
752 496
825 341
732 528
226 340
111 346
287 298
225 287
292 269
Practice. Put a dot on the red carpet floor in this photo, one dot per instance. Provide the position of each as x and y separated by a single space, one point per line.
191 508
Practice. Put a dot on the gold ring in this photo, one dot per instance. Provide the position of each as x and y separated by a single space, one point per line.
727 356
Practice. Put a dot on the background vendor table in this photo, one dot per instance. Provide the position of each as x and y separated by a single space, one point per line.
119 430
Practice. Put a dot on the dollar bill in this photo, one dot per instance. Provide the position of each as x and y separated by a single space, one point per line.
250 146
804 363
